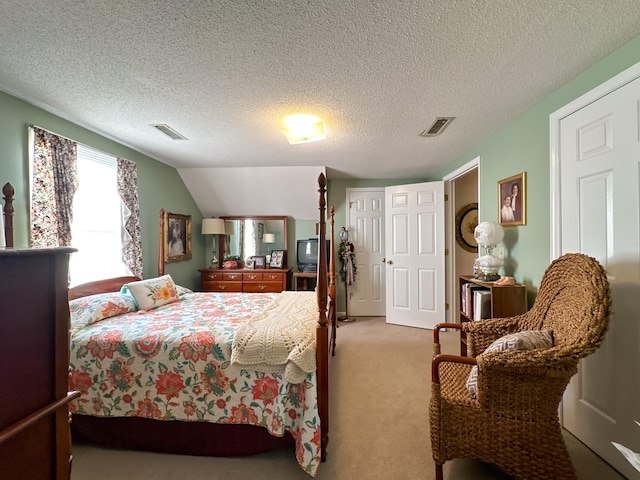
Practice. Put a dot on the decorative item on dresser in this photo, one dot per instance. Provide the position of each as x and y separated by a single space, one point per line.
34 353
228 422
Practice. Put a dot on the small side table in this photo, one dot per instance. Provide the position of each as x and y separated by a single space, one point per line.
303 278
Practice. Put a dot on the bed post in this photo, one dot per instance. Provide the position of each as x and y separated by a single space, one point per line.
161 245
8 191
322 337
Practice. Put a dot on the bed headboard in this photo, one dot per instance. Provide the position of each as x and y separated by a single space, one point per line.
8 192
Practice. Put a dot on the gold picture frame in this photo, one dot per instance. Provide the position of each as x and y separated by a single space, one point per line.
512 200
177 237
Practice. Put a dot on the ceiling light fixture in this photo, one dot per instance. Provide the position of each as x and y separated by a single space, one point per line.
168 131
302 128
437 127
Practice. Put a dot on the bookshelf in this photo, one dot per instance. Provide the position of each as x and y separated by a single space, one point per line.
497 301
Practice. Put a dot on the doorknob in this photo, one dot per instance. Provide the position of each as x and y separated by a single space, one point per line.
384 260
389 262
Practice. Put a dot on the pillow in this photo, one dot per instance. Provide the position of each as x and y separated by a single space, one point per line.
152 293
88 310
182 290
527 340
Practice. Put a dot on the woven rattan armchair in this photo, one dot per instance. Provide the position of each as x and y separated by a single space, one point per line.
513 421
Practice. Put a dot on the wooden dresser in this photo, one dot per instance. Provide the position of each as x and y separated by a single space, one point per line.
243 280
35 442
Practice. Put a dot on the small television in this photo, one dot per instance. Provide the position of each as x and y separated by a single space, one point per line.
307 254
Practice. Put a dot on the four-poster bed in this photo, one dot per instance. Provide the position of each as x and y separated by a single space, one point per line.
305 424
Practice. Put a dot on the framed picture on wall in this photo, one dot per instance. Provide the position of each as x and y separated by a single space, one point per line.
177 234
512 200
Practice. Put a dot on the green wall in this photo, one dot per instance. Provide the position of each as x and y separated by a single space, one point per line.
523 146
154 180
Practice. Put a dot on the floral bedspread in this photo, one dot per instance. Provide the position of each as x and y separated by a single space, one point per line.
173 363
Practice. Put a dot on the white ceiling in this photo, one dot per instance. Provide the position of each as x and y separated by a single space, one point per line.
225 73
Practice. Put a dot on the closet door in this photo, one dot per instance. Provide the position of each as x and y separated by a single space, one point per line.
599 158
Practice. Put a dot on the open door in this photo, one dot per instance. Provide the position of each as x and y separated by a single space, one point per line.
415 254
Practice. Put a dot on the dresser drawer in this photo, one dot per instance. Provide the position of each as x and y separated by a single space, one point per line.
221 286
252 277
262 287
274 276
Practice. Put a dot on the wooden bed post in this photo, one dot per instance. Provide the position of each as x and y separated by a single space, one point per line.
8 191
161 245
322 332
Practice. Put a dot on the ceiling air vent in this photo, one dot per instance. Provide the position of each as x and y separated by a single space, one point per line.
169 132
437 127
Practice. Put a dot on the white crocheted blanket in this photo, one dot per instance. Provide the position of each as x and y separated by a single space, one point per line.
281 339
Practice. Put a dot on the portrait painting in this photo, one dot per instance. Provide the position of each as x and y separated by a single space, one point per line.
512 200
177 236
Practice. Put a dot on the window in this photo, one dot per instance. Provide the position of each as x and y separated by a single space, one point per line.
96 228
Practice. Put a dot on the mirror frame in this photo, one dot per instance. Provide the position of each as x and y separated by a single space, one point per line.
284 218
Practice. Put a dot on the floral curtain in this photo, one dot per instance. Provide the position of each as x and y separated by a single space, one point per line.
54 182
128 191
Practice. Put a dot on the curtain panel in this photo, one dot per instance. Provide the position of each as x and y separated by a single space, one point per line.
132 239
54 182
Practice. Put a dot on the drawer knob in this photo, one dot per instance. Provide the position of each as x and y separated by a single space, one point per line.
262 287
233 277
252 277
222 287
211 276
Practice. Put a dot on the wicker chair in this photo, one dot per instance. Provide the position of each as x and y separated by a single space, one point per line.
513 421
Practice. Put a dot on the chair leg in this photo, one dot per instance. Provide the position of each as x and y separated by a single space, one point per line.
439 473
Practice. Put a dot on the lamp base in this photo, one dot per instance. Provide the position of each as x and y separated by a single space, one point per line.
215 263
488 277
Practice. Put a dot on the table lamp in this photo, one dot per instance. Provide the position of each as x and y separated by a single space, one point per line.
488 235
215 227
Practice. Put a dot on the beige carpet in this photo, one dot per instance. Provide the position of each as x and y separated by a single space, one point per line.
380 390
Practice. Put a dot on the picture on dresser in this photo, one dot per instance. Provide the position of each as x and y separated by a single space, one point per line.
277 258
177 236
259 261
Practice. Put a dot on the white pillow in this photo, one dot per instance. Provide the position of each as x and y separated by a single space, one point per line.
527 340
152 293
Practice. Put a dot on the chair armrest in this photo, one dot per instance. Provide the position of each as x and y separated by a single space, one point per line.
438 359
522 383
436 334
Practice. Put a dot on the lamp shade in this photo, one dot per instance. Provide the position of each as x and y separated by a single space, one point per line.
488 234
213 226
269 238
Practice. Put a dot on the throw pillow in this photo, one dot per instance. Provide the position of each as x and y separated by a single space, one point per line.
88 310
152 293
527 340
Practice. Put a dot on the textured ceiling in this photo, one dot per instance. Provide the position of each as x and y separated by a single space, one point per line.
226 73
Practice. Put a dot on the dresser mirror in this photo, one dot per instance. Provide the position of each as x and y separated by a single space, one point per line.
249 236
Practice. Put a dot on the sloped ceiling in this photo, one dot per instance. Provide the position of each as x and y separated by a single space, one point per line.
225 74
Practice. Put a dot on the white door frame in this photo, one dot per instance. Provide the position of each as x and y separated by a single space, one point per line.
450 233
555 118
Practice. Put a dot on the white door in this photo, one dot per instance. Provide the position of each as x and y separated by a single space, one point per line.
366 231
599 157
415 259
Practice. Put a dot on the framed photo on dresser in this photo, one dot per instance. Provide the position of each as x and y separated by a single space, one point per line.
259 261
277 258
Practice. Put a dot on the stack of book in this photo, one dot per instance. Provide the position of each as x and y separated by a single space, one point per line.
476 301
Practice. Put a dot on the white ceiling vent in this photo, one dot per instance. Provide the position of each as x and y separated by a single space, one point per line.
169 132
437 127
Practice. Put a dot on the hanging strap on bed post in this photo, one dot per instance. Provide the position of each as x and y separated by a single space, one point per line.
8 191
161 245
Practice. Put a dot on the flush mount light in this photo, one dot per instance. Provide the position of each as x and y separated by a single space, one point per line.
302 128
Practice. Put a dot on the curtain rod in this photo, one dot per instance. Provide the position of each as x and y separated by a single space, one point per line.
31 125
